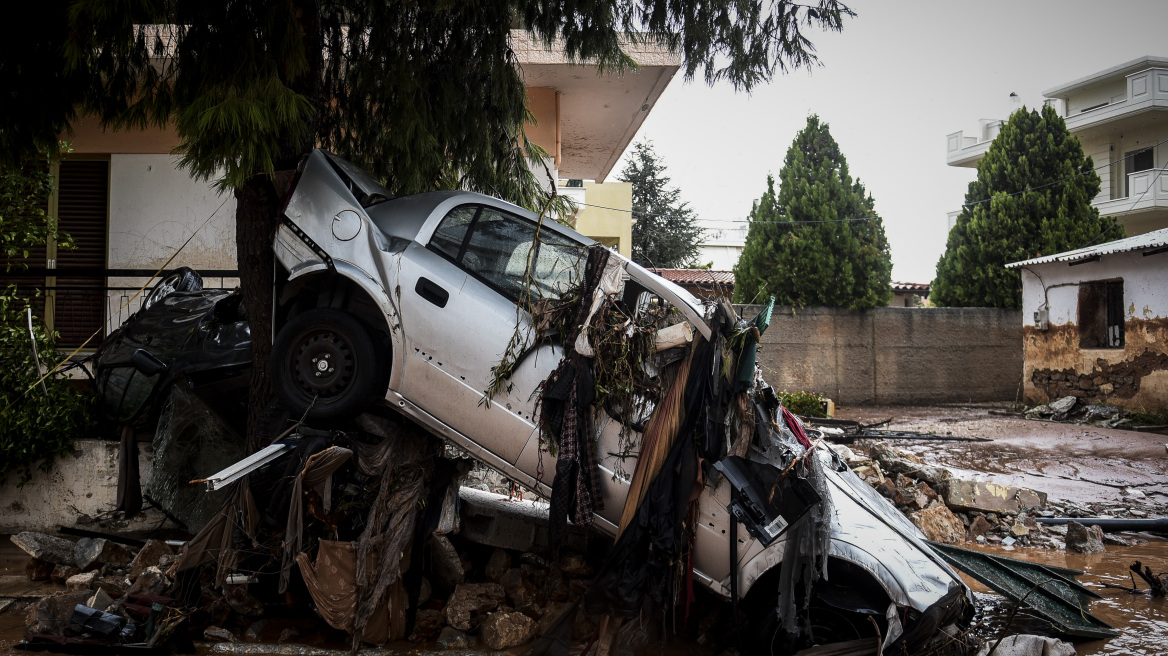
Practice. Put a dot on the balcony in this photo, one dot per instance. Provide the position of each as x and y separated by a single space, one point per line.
1147 192
1146 91
961 150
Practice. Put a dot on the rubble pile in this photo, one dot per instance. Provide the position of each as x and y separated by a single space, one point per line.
954 510
1075 410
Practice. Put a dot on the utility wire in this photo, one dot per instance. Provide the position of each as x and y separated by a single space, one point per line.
663 214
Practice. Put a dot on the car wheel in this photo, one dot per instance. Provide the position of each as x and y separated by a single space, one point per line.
182 279
326 359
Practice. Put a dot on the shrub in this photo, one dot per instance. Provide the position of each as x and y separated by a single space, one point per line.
804 404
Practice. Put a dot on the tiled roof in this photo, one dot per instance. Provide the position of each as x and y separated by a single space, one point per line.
909 286
1154 239
696 276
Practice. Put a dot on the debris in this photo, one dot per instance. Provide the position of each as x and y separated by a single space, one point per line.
61 573
80 582
1050 592
91 620
452 638
502 630
100 600
447 565
218 634
990 497
1159 525
149 555
51 615
254 630
471 599
1063 405
939 524
38 570
427 623
150 581
94 552
225 477
1028 645
498 564
45 547
893 461
979 526
288 634
1155 583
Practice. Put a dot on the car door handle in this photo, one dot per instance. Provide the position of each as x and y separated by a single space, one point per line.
430 291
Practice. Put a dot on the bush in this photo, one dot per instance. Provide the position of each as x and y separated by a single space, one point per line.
36 425
804 404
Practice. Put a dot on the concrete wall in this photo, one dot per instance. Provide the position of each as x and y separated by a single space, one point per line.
1135 376
84 482
895 355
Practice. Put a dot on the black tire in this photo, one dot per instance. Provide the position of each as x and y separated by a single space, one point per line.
327 355
182 279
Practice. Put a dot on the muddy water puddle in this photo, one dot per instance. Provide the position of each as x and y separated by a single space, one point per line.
1142 621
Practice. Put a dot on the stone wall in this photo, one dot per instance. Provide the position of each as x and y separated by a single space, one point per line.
895 355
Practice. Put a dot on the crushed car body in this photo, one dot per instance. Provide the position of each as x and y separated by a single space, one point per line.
501 331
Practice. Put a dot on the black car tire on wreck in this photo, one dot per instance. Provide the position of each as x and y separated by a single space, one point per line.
327 355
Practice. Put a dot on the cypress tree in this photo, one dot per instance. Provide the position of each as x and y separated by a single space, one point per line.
665 230
818 240
1032 197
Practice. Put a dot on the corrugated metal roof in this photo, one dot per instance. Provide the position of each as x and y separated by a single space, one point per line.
1154 239
909 286
695 276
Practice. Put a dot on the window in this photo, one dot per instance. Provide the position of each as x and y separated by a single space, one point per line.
1138 160
1101 315
497 248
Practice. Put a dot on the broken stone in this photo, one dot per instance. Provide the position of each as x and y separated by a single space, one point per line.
1028 645
149 556
503 630
100 600
427 624
1040 410
254 631
45 547
519 588
886 488
1083 539
894 461
990 497
151 581
573 566
1111 538
1132 493
61 573
452 638
50 615
290 633
498 564
38 570
447 565
980 526
469 599
109 584
1064 405
218 634
91 553
939 524
79 582
535 560
1008 542
1019 530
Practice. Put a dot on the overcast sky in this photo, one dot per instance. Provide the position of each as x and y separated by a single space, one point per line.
901 76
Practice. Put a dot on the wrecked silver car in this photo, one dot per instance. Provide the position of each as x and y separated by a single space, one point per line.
619 396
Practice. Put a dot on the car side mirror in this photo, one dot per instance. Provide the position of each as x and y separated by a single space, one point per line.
146 363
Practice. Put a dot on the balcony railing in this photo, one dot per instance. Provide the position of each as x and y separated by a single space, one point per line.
1144 90
1146 190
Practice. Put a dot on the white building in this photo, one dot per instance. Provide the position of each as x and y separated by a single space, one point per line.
722 243
1120 115
1095 323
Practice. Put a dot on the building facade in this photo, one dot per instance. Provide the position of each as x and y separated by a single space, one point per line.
1120 115
129 207
1095 324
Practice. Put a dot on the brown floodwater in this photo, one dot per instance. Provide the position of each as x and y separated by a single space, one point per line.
1140 619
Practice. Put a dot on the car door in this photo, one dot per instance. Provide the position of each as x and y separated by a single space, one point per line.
459 295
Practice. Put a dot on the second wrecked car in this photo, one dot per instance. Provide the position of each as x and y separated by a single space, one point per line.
601 386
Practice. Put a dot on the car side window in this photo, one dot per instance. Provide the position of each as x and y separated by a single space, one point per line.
499 248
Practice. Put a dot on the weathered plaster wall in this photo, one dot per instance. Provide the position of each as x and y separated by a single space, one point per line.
82 483
1135 376
895 355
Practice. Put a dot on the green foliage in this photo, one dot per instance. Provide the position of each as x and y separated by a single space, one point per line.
665 230
804 404
1032 197
37 424
803 245
24 187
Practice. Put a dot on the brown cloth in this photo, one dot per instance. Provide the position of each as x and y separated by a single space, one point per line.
129 480
317 475
215 541
332 582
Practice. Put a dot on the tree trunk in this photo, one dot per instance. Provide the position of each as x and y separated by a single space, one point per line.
256 218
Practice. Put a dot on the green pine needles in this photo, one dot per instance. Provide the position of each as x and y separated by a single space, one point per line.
1032 197
817 241
665 229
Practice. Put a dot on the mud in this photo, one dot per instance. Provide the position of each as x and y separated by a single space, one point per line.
1133 376
1086 465
1142 621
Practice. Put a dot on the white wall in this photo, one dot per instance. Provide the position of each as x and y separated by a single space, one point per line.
1145 286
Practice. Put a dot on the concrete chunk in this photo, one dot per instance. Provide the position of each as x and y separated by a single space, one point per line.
990 497
45 547
90 553
149 556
